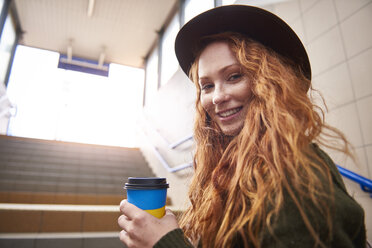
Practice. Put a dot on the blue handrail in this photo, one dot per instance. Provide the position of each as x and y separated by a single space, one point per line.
175 144
365 183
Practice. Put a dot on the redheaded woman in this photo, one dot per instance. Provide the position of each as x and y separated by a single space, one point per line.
260 178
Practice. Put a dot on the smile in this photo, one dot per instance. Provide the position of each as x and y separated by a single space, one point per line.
229 112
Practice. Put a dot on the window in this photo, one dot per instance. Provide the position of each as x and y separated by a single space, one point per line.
151 76
169 63
58 104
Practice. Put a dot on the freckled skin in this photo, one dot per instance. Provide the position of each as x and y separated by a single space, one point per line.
223 87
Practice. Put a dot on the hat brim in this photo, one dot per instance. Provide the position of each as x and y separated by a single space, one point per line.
256 23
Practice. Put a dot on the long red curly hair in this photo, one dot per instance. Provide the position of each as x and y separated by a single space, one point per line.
240 182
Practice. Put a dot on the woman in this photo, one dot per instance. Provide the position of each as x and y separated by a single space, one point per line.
260 180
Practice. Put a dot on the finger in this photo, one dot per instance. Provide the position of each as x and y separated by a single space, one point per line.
123 222
124 237
122 203
130 210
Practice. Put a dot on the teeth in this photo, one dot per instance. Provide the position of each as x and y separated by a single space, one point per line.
229 112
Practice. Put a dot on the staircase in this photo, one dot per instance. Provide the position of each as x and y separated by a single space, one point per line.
61 194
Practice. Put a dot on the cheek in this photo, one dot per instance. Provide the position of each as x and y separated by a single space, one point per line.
206 102
246 92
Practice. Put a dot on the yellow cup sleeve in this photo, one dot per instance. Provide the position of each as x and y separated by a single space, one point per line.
158 213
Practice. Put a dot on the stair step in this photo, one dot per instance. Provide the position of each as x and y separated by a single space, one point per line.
63 194
58 218
64 167
43 164
61 187
61 198
61 240
63 159
37 151
66 177
43 218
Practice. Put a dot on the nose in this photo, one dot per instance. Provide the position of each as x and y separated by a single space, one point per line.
219 95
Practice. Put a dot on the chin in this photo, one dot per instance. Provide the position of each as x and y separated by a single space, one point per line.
232 131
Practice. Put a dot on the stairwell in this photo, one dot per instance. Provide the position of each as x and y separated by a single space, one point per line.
61 194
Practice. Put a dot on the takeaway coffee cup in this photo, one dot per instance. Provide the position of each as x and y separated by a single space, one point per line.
148 193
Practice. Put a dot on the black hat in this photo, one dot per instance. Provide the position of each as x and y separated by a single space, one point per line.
256 23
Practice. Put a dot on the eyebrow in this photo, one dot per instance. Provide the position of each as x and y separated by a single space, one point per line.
223 69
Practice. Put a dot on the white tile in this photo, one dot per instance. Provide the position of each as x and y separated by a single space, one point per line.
326 51
359 165
346 120
267 5
317 98
335 85
361 73
369 160
357 31
345 8
298 27
319 19
307 4
364 111
288 11
353 188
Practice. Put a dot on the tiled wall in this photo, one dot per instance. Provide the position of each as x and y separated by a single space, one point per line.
338 37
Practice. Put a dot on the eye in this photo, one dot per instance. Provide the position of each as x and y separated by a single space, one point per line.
206 86
234 76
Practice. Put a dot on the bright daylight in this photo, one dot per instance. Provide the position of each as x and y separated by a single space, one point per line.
58 104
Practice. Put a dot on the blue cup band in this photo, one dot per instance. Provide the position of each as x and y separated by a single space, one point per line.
147 199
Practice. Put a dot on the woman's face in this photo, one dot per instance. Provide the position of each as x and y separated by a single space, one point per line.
225 90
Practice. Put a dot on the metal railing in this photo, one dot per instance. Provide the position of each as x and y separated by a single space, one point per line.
172 146
178 143
365 183
166 165
11 111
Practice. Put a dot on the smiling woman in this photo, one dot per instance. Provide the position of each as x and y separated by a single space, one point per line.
260 178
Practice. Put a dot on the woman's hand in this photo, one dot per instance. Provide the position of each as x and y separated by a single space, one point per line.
141 229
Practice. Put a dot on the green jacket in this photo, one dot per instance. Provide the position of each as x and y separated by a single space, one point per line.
290 231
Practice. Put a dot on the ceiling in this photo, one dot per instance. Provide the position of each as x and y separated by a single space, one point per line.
124 31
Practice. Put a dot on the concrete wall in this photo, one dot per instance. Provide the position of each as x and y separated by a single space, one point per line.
338 38
168 119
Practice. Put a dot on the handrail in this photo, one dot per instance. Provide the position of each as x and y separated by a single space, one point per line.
164 162
7 111
166 165
176 144
3 98
4 113
365 183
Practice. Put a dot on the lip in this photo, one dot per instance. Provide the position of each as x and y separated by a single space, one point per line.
230 117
